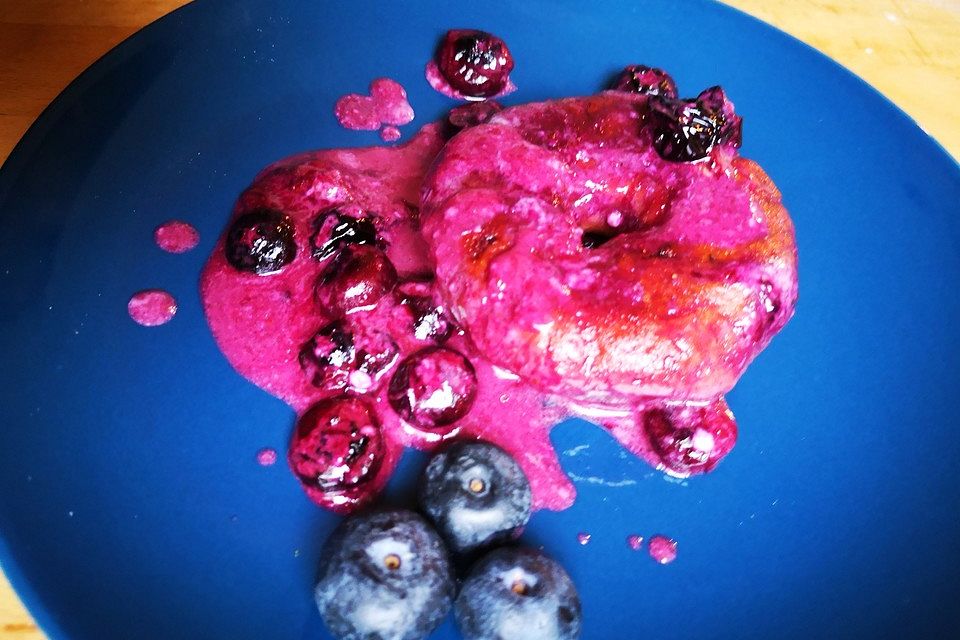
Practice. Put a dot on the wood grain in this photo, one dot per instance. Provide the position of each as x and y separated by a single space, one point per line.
908 49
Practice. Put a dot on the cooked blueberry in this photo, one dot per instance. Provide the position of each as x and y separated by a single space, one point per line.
260 242
714 100
476 494
385 575
690 439
337 228
638 78
429 320
687 130
518 593
356 280
475 63
473 113
343 355
433 388
337 448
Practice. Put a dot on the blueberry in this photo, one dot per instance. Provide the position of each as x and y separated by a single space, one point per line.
429 320
687 130
355 281
342 354
260 242
385 575
518 593
638 78
475 63
690 438
433 388
337 449
476 494
337 228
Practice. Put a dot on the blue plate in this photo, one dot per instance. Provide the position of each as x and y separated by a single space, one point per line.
130 502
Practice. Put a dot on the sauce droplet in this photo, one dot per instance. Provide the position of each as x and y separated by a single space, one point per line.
176 236
152 307
583 538
266 457
662 549
634 542
389 134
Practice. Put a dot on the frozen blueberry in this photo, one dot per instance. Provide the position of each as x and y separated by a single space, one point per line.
343 354
433 388
337 448
475 63
260 242
476 494
356 281
385 575
638 78
518 593
336 228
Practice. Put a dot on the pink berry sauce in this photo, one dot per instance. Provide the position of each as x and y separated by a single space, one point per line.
662 549
266 457
634 542
386 106
389 134
324 291
176 236
152 307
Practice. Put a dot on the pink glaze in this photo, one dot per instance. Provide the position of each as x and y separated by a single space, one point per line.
583 538
176 236
262 323
386 105
152 307
662 549
266 457
436 80
634 542
389 134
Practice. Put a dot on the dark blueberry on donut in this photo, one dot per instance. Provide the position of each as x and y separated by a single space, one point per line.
260 242
356 280
341 355
687 130
475 63
334 229
638 78
433 388
690 439
337 446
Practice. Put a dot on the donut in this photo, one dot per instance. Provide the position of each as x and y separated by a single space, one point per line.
598 254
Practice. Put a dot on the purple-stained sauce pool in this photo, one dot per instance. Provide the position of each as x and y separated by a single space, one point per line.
176 236
152 307
662 549
266 457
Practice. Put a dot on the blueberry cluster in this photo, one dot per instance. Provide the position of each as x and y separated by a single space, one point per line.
389 574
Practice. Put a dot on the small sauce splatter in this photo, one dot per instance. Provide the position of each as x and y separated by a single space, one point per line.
266 457
634 542
583 538
662 549
389 134
176 236
386 105
152 307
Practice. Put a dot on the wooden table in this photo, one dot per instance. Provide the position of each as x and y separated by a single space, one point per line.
909 49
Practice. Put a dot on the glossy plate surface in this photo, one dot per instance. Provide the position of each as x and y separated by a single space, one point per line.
131 504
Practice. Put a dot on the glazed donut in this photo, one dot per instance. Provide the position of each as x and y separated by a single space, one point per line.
588 252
